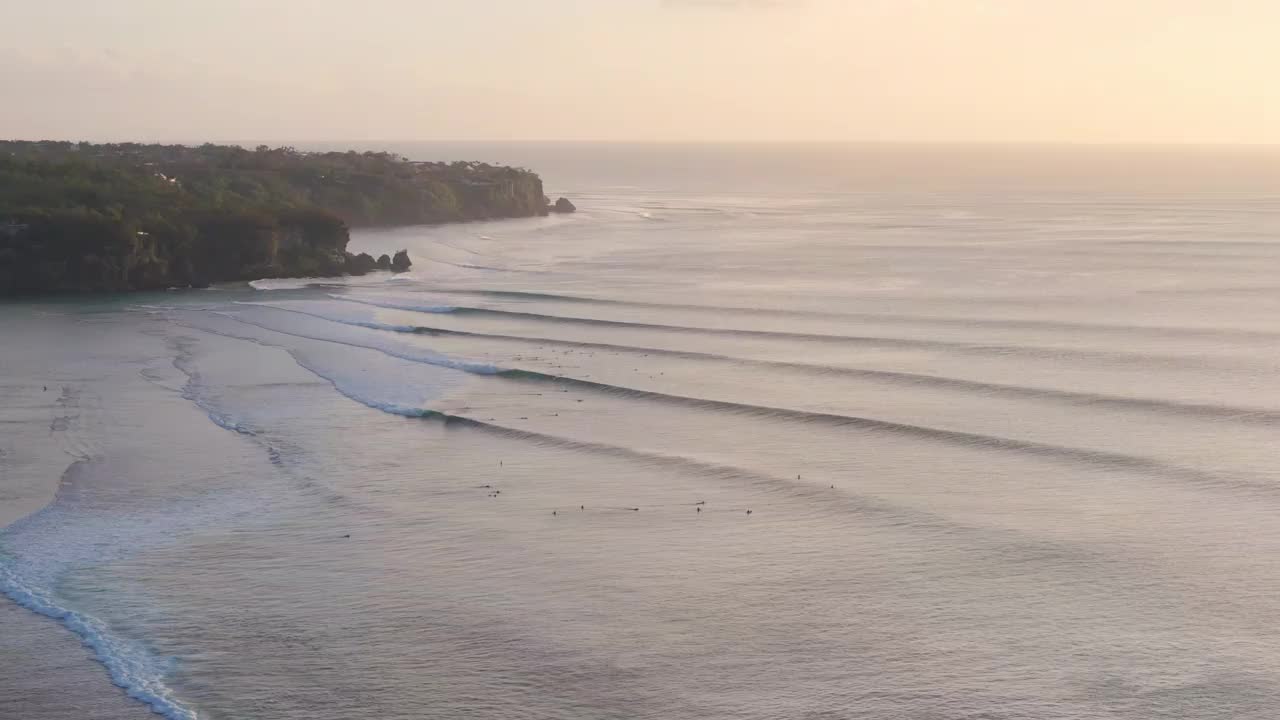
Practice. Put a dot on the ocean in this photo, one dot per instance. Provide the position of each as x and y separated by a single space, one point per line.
817 432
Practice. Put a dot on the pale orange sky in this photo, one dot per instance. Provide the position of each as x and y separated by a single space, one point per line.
1149 71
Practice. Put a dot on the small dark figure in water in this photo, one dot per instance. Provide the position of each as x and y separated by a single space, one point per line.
553 512
833 487
748 512
347 535
46 388
582 507
699 508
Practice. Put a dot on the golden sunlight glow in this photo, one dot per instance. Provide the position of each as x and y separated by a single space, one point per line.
1160 71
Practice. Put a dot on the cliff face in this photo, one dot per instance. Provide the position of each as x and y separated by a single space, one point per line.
250 246
79 252
519 195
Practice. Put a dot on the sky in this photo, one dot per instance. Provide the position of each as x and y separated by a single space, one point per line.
1054 71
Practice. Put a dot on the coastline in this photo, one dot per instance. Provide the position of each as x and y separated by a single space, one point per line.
86 218
356 264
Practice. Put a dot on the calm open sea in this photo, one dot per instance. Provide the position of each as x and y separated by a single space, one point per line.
940 433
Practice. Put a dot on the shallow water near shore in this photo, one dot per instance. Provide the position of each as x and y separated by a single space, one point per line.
834 433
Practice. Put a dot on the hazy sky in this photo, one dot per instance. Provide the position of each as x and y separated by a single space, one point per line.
821 70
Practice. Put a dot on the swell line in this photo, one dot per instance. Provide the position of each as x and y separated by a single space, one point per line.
1092 458
1061 453
921 320
1197 410
434 359
1009 544
410 307
873 340
767 483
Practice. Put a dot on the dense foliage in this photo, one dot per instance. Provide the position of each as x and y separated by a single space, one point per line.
129 216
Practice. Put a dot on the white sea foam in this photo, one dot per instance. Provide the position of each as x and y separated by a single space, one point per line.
138 672
284 283
350 388
391 379
39 550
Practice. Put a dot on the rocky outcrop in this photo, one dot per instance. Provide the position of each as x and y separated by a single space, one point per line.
365 263
401 262
563 206
361 264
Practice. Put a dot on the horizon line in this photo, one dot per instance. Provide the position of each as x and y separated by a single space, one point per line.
280 142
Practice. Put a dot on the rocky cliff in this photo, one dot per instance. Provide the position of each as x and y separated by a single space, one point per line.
82 217
84 252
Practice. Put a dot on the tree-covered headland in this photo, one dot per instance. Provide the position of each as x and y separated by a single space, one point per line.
85 217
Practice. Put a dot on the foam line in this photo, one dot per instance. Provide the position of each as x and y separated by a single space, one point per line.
130 666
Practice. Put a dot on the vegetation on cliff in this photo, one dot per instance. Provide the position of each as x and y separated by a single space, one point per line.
82 217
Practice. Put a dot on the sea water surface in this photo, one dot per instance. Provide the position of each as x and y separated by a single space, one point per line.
772 432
